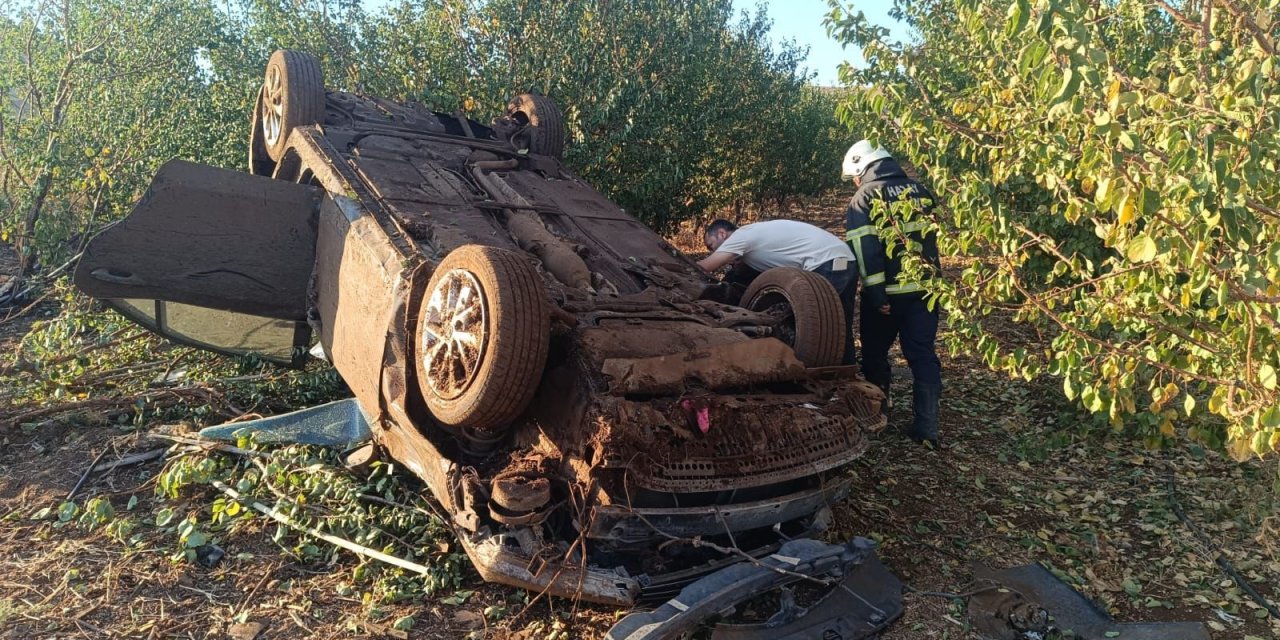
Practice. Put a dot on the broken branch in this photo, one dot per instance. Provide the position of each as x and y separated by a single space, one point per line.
359 550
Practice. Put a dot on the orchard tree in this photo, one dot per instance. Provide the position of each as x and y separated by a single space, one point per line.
1109 169
674 107
100 93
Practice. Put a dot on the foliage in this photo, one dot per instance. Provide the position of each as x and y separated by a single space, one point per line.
96 94
86 354
1108 169
309 486
673 106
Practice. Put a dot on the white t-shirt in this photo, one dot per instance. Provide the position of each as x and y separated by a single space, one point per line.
785 243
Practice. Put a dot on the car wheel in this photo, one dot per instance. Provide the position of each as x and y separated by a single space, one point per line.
812 318
482 336
544 124
292 96
260 162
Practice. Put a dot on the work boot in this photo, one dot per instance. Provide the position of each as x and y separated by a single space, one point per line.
924 397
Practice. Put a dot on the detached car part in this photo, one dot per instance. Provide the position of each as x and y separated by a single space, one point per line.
1031 602
862 597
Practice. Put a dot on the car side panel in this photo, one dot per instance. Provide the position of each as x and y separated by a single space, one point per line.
357 270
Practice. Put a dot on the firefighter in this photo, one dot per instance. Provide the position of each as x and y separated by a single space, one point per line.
893 310
756 248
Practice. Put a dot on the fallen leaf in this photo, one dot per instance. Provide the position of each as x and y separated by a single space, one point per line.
467 618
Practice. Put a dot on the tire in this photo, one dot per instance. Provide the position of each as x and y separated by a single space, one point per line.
486 383
546 132
816 317
292 96
260 162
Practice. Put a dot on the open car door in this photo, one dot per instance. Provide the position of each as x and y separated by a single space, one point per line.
212 258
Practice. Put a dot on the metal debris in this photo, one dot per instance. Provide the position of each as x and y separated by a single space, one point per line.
1032 602
864 598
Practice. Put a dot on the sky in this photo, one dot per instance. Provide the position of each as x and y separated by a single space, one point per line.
801 21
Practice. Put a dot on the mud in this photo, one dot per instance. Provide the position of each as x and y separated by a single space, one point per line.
723 367
632 338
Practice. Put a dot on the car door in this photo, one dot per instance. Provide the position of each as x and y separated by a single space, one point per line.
213 258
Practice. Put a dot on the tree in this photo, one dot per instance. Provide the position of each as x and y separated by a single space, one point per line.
1109 168
673 106
109 90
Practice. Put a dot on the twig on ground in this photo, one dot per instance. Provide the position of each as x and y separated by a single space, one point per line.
212 445
113 341
85 476
948 595
159 398
25 310
136 458
433 512
249 596
360 550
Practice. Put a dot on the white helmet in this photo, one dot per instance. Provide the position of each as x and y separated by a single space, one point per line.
859 156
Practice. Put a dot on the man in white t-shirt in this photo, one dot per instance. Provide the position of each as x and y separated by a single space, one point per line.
787 243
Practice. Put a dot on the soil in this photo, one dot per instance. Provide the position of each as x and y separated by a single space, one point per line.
1017 481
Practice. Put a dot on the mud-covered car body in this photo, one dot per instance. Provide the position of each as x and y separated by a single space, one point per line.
660 417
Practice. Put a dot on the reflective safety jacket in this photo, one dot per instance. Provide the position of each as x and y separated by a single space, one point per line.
885 182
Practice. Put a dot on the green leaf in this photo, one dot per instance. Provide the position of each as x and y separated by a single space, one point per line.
1180 86
67 511
1141 249
1070 84
1018 15
1267 377
164 517
196 539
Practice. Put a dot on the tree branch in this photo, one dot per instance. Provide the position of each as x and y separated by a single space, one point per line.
1259 35
1178 16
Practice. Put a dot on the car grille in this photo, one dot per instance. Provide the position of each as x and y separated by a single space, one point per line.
808 445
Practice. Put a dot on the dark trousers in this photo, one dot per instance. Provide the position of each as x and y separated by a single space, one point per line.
846 284
912 323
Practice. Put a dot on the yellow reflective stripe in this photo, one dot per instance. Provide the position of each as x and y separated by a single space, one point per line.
854 234
910 287
874 279
856 245
914 226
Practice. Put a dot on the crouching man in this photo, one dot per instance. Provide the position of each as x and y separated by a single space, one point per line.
787 243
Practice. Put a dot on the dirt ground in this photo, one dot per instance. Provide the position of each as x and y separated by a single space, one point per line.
1018 481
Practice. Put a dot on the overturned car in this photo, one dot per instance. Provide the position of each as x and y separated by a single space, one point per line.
599 418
